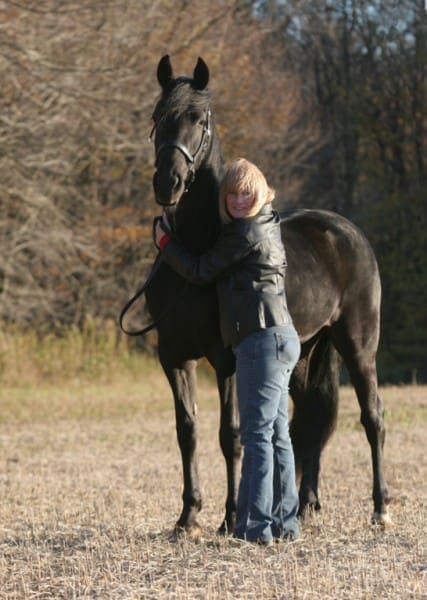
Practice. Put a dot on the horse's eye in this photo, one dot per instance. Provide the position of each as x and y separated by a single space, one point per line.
196 117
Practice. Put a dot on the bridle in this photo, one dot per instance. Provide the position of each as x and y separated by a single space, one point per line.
191 159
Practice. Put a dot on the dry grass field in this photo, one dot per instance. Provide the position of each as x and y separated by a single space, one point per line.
90 486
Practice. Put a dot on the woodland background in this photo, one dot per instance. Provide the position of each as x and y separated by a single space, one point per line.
327 96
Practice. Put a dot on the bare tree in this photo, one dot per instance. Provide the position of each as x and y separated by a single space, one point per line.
78 89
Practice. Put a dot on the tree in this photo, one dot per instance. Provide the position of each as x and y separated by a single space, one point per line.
327 96
365 63
78 89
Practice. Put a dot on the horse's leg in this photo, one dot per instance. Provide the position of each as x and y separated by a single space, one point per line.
229 435
357 342
182 379
224 363
314 390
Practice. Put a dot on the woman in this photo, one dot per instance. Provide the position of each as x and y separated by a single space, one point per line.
248 263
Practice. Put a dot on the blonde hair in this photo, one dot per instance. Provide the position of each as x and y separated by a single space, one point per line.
243 177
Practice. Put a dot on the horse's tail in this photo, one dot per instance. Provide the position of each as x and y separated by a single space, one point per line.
315 401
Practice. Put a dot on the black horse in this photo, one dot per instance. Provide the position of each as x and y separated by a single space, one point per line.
333 290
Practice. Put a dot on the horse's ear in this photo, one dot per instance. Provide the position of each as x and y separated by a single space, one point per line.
201 75
164 71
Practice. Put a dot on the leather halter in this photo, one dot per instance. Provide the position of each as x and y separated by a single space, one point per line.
190 158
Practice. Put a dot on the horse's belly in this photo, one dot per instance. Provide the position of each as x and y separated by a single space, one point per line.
312 307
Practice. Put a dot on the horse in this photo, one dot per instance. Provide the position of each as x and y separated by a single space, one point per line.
333 291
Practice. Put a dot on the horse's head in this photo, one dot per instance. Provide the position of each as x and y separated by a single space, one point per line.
182 130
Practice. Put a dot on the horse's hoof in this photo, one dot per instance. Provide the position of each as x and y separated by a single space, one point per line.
308 509
383 519
226 528
222 529
190 532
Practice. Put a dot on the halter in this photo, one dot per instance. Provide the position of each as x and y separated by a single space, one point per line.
190 158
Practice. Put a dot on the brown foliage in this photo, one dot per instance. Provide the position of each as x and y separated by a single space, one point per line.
75 105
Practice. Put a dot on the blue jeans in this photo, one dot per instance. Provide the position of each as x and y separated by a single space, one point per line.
267 502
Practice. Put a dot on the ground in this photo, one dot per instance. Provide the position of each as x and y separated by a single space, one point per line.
90 488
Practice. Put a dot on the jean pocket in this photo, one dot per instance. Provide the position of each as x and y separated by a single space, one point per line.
287 349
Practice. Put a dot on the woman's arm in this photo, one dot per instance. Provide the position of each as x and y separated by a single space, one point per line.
230 248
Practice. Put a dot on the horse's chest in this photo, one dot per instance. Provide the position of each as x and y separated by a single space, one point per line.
187 315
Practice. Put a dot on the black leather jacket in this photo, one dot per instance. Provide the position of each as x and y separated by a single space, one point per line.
248 263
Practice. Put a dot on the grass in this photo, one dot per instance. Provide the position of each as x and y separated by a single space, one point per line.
90 488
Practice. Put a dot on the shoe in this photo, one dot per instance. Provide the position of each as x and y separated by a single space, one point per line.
238 542
291 537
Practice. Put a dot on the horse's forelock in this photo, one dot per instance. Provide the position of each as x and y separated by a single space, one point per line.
181 98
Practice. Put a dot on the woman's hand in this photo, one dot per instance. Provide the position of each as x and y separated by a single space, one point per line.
160 233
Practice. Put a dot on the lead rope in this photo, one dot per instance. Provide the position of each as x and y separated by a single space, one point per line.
134 298
139 293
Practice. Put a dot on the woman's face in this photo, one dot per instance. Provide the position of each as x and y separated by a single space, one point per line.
238 205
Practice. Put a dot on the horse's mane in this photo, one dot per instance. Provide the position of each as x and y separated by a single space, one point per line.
180 98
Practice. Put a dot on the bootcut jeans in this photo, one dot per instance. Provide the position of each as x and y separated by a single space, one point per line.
267 504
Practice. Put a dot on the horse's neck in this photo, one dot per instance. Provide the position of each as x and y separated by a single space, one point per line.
197 219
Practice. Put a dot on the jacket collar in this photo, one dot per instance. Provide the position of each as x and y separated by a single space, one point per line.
267 209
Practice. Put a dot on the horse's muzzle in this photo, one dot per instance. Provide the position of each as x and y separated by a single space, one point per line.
168 190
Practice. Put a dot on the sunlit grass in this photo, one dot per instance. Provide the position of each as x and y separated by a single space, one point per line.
91 484
97 351
97 373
